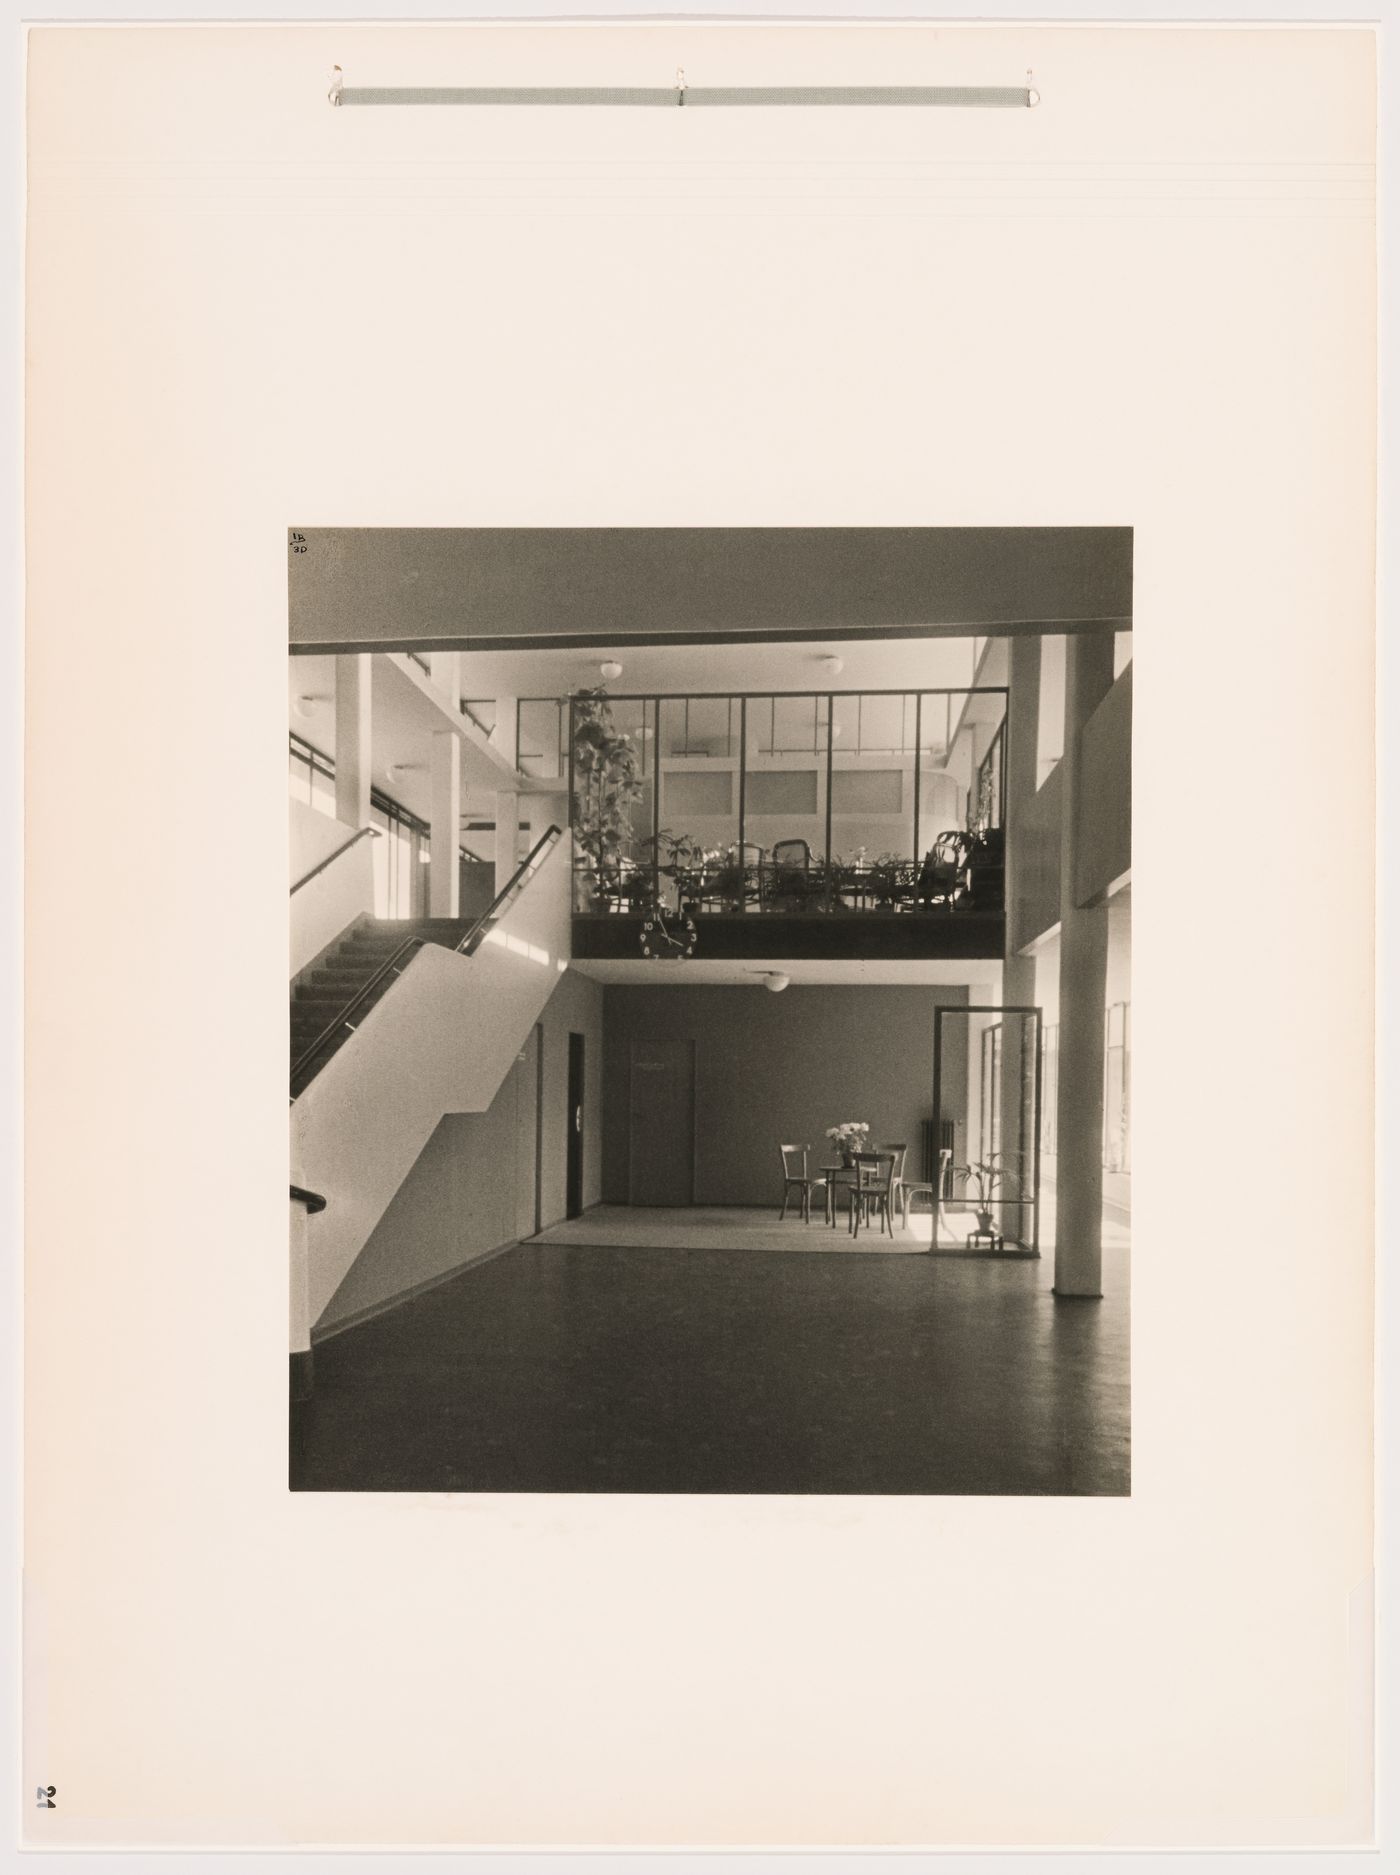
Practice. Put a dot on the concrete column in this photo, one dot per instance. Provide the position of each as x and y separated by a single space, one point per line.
445 671
507 833
1083 982
1018 972
446 821
1019 756
352 739
1017 1062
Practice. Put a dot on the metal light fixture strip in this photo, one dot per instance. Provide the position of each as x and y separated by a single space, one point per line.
965 97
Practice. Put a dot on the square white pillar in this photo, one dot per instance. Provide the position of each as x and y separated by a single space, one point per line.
443 870
352 738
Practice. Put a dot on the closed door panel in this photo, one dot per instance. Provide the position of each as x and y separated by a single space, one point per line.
573 1201
662 1123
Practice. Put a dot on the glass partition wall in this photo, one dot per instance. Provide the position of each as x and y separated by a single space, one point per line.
794 802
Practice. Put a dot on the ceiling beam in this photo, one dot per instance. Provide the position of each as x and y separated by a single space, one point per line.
509 588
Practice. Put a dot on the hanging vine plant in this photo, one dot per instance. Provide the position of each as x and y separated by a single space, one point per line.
606 787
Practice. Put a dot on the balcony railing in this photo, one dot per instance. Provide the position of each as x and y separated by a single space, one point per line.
884 802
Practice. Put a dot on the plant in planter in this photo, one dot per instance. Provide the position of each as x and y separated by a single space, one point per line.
984 1175
606 788
849 1137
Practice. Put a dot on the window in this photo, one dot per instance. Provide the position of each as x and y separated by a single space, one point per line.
1116 1098
986 802
699 791
310 776
399 855
781 791
867 791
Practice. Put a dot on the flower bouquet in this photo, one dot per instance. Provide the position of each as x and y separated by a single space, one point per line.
849 1137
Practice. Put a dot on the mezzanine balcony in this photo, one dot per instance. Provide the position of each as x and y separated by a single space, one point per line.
845 824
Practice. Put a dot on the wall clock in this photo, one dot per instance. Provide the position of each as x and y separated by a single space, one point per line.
667 935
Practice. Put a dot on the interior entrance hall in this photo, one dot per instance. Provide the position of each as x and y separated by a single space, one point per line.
711 1050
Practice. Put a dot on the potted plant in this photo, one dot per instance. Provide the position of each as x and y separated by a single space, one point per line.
606 786
985 1175
849 1138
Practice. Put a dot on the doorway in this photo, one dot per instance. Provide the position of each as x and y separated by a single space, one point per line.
573 1188
661 1123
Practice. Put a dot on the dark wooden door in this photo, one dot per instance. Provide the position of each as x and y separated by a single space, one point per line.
573 1190
661 1126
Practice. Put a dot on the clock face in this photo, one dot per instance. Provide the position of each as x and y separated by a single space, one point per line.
667 935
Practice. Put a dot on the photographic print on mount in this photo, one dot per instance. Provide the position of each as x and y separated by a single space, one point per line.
710 1009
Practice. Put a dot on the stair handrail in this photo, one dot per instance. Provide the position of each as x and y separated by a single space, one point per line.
331 858
468 944
528 866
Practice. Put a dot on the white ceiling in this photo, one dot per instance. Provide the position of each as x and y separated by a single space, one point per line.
880 971
404 719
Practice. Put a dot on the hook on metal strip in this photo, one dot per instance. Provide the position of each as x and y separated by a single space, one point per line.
337 85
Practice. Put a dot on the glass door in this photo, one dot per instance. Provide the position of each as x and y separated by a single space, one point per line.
986 1099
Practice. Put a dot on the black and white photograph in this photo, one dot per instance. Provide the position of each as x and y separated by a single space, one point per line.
711 1010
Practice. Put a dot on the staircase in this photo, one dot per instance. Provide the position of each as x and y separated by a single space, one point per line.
366 1103
322 992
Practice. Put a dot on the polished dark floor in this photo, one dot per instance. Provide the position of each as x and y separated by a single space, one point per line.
569 1368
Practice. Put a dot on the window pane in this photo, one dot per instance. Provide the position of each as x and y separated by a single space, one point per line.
785 780
882 725
785 792
699 781
794 724
872 790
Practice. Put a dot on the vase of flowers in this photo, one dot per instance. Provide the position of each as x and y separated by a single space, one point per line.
849 1138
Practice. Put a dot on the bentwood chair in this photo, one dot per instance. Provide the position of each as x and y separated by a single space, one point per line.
872 1186
934 1189
796 1178
790 883
943 875
899 1148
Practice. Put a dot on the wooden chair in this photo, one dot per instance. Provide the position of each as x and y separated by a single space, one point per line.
943 875
935 1190
788 880
872 1186
799 1180
899 1148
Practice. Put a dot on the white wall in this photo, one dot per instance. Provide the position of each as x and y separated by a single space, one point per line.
323 907
471 1188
